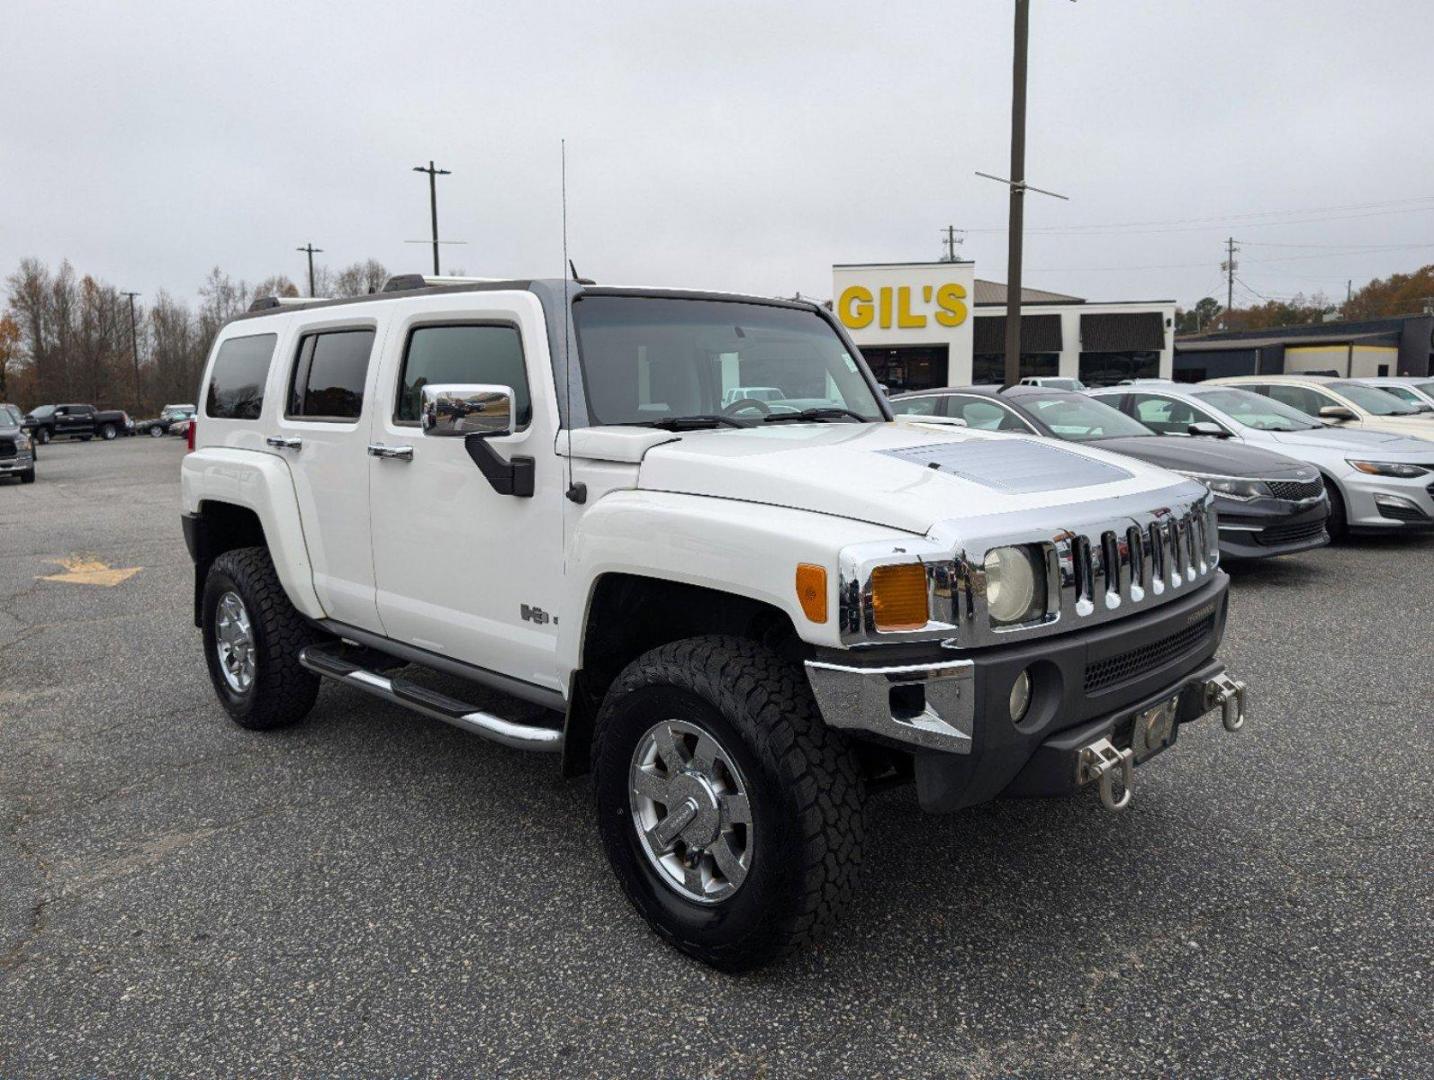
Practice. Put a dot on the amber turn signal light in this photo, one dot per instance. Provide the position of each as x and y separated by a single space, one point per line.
898 596
812 591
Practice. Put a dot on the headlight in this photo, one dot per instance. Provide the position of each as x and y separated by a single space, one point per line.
22 441
1233 488
1389 468
1015 586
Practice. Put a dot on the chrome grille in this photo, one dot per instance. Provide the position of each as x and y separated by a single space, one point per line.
1296 490
1103 561
7 447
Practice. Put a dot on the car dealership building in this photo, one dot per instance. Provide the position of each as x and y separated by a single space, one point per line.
927 324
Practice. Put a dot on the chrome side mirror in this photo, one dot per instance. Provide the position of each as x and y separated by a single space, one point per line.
453 410
1336 413
1205 427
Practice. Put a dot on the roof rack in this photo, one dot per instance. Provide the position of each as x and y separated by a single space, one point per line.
404 282
268 303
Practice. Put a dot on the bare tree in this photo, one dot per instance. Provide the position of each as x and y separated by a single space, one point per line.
175 356
360 279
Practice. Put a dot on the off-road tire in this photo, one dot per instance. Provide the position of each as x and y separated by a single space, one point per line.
108 432
28 476
282 692
804 785
1338 524
42 435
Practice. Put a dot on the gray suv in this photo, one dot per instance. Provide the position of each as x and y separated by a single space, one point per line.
17 452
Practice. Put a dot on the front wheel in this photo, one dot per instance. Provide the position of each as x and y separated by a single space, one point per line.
1338 524
108 432
731 814
42 436
252 640
156 432
28 476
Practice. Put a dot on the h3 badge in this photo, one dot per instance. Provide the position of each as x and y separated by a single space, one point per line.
536 615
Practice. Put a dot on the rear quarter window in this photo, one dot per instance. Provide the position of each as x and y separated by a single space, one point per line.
236 381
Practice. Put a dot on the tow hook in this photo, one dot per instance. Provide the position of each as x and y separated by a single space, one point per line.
1102 761
1228 695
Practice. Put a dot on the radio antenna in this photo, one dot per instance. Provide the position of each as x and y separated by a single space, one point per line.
576 492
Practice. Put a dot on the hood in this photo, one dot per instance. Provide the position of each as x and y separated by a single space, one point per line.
1354 440
1207 455
1420 426
904 476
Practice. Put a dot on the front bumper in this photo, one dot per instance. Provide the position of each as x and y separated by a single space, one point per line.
1261 528
1388 503
20 463
953 712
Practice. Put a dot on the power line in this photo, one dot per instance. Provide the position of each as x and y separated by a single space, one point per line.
1378 208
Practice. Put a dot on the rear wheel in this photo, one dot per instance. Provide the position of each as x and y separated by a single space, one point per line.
252 639
156 432
108 432
731 814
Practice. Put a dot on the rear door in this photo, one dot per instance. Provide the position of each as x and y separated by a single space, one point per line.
321 430
462 570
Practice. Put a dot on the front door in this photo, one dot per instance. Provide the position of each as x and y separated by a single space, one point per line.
322 434
461 570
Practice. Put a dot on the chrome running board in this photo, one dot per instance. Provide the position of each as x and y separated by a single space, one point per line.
332 664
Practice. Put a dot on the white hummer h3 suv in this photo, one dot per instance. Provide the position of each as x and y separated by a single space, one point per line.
741 617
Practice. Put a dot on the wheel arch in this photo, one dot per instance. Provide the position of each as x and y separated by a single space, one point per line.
629 614
235 499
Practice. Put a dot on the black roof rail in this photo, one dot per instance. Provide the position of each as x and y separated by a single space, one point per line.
404 282
264 303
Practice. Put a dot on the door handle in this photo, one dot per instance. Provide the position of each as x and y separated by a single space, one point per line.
292 442
397 453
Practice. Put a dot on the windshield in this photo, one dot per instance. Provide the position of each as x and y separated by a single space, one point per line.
1373 401
1426 388
1077 418
646 360
1062 384
10 412
41 411
1257 411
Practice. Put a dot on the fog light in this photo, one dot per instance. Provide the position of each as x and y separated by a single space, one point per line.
1020 696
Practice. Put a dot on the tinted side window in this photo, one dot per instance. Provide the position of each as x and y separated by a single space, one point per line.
986 415
462 354
1299 397
917 406
1167 415
329 375
236 383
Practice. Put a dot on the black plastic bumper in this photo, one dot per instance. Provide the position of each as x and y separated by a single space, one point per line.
1265 527
1082 680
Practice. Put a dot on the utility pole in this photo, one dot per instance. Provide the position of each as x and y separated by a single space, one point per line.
433 174
134 346
1229 269
1018 187
951 243
311 251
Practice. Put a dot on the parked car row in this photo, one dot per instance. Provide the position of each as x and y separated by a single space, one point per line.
1291 460
21 433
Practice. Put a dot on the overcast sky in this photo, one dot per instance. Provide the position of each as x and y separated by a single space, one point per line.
743 146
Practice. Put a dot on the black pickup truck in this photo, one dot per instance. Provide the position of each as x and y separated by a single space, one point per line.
84 422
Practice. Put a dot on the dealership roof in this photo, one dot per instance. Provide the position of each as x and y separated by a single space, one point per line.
994 292
1233 344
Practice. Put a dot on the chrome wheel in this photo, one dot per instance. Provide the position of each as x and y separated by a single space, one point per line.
234 642
691 811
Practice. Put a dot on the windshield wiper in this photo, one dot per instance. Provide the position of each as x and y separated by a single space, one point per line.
688 423
826 412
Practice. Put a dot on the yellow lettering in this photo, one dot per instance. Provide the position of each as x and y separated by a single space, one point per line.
854 307
949 298
904 318
885 307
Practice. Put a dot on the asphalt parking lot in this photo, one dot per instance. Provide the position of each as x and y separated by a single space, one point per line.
374 893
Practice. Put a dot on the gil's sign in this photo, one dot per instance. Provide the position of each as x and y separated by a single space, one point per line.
902 307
